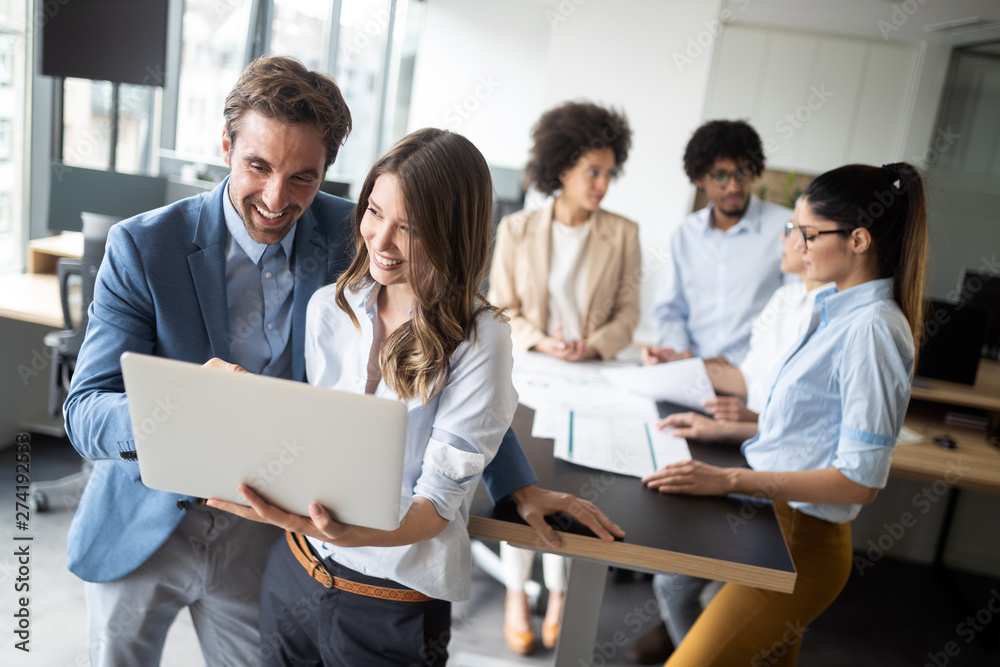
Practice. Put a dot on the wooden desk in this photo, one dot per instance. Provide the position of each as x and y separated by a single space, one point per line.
44 253
31 297
977 462
34 296
701 536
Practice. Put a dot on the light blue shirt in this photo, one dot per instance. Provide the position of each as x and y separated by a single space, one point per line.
449 440
840 395
260 282
720 280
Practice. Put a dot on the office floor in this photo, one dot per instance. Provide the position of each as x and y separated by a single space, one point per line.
899 614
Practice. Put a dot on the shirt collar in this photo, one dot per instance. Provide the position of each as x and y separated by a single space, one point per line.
837 304
366 297
238 230
750 222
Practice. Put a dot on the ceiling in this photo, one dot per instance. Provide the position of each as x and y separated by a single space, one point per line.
907 20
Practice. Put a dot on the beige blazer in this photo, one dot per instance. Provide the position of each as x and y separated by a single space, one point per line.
520 270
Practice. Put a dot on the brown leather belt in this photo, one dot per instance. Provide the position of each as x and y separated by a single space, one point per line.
314 566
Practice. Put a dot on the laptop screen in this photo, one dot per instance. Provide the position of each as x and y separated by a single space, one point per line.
952 341
983 290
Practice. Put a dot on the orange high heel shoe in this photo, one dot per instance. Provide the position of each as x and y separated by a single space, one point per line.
519 641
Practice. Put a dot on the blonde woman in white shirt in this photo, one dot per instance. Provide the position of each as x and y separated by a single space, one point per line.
568 276
406 321
779 325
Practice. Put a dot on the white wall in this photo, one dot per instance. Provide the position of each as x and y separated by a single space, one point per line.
650 58
479 71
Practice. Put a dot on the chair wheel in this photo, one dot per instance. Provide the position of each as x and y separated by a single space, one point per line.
39 501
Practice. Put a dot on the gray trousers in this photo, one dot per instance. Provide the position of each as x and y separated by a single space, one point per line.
682 599
213 564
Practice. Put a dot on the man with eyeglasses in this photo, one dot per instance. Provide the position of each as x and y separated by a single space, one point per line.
726 257
726 265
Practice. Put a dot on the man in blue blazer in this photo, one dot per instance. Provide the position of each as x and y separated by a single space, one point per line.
221 276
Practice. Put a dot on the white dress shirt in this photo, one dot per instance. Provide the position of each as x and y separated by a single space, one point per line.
720 280
449 441
781 324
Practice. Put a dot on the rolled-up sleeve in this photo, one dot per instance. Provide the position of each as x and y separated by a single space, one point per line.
474 411
875 391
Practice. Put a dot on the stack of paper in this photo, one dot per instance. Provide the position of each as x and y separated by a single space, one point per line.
594 414
683 382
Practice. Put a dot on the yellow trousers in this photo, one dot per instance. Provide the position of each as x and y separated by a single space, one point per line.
750 627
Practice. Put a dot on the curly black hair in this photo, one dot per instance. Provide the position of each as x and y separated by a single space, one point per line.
564 134
733 139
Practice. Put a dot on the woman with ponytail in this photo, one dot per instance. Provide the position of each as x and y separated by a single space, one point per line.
824 441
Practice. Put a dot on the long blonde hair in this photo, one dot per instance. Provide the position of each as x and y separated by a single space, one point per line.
446 185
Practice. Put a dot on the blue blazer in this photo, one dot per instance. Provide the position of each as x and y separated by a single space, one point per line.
162 290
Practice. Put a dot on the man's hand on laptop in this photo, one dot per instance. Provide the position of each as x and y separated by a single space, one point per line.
535 503
215 362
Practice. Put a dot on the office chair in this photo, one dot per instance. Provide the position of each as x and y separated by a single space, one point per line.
65 346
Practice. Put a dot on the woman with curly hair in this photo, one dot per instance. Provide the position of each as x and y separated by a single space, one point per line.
568 276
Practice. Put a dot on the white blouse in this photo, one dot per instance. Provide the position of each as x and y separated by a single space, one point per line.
448 444
567 278
779 325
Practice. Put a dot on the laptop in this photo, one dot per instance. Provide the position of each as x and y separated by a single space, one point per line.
201 431
952 342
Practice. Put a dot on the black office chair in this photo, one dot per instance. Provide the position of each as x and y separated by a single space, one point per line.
65 346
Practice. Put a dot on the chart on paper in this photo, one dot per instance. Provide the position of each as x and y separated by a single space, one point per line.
623 445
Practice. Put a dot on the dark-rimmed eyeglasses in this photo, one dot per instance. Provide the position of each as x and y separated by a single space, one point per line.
812 234
721 178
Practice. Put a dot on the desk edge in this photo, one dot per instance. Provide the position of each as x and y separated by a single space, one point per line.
645 558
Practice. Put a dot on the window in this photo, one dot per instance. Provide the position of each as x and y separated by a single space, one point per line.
87 123
302 29
213 53
367 45
7 61
136 113
13 116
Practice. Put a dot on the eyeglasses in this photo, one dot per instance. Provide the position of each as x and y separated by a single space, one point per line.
811 234
722 178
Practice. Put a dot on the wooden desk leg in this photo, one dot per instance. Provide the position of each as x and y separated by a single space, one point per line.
582 612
